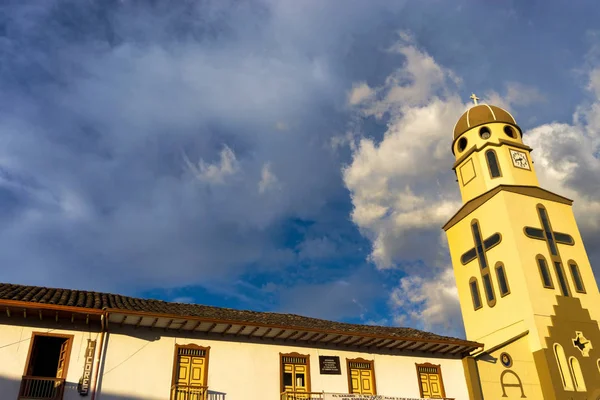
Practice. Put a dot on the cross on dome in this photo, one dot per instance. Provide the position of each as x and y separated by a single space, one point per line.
474 98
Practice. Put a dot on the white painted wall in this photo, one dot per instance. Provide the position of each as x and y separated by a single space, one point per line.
140 367
248 371
14 347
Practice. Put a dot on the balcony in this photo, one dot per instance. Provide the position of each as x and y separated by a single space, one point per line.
186 392
340 396
39 388
302 396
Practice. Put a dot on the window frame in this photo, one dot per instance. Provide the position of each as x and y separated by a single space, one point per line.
281 370
191 346
559 269
500 266
438 367
371 368
571 264
474 279
69 338
487 161
539 267
481 258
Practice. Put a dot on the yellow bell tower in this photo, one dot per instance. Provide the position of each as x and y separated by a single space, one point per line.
525 284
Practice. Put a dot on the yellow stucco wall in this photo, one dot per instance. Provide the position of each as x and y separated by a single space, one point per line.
494 376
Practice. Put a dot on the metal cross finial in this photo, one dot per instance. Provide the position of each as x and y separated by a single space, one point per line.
474 98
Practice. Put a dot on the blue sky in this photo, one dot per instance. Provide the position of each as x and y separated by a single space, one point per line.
276 155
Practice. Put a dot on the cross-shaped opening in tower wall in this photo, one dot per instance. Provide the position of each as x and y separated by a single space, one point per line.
552 238
479 252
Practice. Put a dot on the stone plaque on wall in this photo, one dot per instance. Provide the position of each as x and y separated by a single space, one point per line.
330 365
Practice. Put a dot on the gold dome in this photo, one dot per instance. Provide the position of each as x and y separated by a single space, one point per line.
479 115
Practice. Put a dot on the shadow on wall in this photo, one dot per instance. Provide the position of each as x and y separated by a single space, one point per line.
9 387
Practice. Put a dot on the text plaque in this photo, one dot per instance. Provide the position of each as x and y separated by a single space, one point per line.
330 365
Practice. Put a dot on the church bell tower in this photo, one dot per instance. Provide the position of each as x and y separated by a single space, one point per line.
525 284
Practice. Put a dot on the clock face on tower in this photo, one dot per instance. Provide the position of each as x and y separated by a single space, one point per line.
519 159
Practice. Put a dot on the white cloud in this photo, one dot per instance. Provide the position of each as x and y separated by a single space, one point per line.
215 173
268 180
403 191
184 299
431 303
359 93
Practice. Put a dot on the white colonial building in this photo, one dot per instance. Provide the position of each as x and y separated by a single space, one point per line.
64 344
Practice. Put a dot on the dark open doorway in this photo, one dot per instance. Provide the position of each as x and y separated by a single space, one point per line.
46 367
45 354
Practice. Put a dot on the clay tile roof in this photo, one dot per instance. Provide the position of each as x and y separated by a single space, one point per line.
479 115
98 301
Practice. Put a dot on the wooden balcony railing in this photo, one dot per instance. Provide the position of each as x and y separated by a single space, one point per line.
323 395
186 392
301 395
39 388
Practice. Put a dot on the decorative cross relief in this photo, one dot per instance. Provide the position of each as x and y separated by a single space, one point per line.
552 238
582 344
548 235
479 252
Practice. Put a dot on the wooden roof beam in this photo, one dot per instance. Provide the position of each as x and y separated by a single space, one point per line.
311 337
261 337
404 345
420 346
226 330
300 337
379 343
369 342
459 348
240 331
253 331
332 339
168 325
281 332
198 323
292 335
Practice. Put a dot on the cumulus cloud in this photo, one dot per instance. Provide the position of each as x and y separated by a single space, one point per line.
268 180
215 173
403 191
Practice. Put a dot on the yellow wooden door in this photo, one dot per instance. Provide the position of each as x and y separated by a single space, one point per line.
190 378
295 380
430 383
62 359
362 381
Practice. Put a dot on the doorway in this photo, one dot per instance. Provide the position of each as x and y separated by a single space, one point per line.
46 367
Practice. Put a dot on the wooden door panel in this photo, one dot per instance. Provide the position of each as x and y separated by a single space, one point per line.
362 381
62 359
430 383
